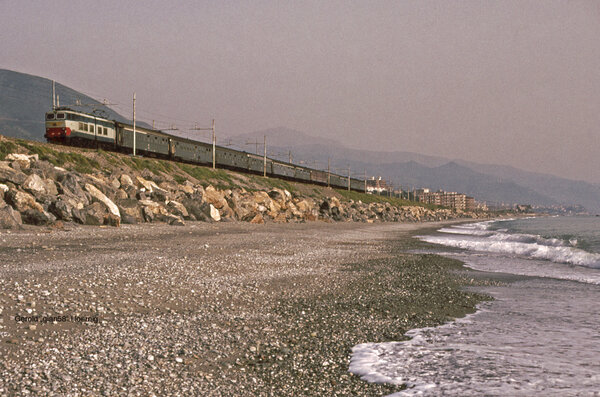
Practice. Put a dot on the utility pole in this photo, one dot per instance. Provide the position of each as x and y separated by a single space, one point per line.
214 141
53 96
348 178
328 171
290 154
134 124
365 181
265 157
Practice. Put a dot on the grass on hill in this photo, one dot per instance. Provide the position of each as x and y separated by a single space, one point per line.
84 161
77 161
374 198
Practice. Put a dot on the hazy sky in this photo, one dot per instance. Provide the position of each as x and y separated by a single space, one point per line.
510 82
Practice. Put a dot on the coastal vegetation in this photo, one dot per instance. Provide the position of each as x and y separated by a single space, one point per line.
47 183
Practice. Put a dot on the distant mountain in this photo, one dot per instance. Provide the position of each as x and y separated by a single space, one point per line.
315 147
24 99
485 182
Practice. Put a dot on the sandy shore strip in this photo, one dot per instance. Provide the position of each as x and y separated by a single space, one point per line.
213 309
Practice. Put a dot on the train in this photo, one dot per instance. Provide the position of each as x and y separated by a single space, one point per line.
72 127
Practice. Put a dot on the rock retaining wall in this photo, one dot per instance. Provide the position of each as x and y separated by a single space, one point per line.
35 192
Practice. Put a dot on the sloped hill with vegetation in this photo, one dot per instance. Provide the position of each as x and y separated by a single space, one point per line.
24 99
45 184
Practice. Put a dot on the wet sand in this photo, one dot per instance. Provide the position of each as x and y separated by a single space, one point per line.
213 309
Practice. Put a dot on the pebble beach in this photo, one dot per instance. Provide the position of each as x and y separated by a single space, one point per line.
213 309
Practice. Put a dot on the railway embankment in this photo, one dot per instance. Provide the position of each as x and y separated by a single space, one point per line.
43 184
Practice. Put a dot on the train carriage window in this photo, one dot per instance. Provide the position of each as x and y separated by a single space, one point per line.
105 131
91 128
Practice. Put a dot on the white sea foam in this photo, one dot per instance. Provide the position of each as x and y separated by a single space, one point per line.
539 337
478 237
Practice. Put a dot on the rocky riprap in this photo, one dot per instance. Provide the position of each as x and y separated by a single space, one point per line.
35 192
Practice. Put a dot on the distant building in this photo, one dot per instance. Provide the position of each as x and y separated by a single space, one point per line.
459 201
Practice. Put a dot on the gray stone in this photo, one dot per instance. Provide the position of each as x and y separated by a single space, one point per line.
214 213
95 214
130 211
125 180
62 208
34 185
9 218
177 208
71 184
98 196
34 217
8 174
200 210
214 197
22 201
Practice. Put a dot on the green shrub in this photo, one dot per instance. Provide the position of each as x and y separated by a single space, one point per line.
7 148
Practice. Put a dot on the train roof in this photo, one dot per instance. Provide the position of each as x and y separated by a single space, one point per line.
185 140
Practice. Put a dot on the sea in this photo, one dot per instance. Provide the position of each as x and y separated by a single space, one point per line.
540 336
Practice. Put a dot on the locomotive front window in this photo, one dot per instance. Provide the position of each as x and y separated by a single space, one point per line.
50 116
60 115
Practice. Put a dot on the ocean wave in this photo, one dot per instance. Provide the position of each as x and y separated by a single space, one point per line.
519 244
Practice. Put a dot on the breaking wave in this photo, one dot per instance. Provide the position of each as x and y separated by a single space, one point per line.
478 237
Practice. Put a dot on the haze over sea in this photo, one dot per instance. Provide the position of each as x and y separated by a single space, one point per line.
538 337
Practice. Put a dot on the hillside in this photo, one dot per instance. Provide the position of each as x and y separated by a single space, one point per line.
24 99
44 184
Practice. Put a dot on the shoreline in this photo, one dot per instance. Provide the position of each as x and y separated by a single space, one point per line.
216 309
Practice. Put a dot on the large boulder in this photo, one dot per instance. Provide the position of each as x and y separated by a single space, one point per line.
176 208
98 196
174 220
130 211
22 201
277 195
160 194
144 183
71 183
8 174
214 213
197 209
244 207
63 207
3 190
214 197
35 217
258 219
95 214
154 211
187 188
125 180
9 218
304 205
39 187
22 160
